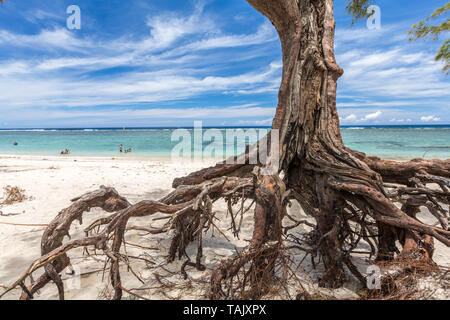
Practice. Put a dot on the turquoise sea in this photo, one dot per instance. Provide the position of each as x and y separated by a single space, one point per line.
388 142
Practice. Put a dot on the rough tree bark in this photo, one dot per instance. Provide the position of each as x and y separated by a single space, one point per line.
346 192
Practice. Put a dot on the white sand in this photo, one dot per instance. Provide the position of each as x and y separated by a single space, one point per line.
53 181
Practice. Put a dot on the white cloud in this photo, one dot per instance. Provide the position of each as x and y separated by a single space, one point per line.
362 103
357 117
363 35
264 34
265 122
384 71
351 117
153 86
168 64
372 116
176 61
394 120
46 40
36 15
168 28
429 119
197 113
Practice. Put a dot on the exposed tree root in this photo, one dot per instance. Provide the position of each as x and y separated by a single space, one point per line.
187 206
363 214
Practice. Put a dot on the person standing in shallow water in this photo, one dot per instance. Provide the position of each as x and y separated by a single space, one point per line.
121 148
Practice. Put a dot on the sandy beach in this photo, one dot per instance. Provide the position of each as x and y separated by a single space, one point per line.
50 183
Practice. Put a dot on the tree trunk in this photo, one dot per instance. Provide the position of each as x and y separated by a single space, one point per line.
311 146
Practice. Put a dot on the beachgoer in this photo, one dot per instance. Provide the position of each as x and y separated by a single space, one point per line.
121 148
15 143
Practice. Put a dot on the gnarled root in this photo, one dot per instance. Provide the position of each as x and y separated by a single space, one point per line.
348 211
105 198
184 205
264 247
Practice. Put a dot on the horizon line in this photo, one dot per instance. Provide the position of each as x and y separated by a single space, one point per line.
210 127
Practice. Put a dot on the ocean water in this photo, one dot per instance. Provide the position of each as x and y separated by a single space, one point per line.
388 142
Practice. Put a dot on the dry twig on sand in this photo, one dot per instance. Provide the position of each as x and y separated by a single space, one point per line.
13 195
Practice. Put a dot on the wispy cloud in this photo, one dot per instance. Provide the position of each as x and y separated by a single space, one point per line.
351 117
430 119
143 87
45 40
164 66
118 116
394 120
189 63
372 116
265 122
384 71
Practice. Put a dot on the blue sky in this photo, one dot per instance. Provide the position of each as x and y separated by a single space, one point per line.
168 63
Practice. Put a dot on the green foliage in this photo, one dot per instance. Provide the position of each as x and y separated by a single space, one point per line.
359 9
425 30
